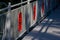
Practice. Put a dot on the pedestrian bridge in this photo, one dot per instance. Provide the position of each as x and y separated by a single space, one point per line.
31 20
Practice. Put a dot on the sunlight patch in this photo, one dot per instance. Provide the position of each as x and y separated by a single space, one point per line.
27 38
37 28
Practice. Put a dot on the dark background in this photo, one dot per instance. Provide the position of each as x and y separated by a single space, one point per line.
12 1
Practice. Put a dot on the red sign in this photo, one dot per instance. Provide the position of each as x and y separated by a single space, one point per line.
19 21
42 7
34 12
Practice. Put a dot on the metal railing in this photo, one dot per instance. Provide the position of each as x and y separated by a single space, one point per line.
10 30
19 20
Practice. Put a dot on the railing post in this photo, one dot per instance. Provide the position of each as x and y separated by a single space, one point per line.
39 9
7 30
45 6
36 10
28 18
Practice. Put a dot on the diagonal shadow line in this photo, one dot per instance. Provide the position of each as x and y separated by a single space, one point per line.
48 26
37 23
44 25
41 28
39 33
42 35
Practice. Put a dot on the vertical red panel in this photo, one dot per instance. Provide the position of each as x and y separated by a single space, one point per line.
34 12
42 7
19 21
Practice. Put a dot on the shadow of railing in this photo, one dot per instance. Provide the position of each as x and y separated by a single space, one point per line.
39 35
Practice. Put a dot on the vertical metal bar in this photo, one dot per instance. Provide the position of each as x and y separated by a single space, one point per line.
28 2
7 31
28 16
45 7
39 9
36 9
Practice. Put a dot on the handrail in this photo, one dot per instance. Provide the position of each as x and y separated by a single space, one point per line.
15 5
18 4
4 9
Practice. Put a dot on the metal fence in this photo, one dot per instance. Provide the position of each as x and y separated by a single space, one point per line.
18 20
13 23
